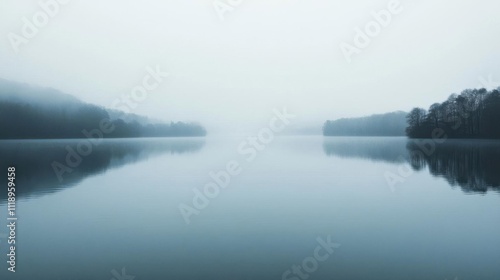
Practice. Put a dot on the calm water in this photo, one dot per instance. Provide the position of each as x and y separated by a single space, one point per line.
438 216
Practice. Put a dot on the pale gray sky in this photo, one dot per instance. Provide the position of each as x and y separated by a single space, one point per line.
265 54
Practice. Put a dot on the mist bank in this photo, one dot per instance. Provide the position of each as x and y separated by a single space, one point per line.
28 112
390 124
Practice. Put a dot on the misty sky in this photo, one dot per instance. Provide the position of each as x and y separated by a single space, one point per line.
265 54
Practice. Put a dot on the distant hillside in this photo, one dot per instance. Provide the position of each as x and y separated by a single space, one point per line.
390 124
28 112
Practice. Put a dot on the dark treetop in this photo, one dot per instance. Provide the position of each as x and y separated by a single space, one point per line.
475 113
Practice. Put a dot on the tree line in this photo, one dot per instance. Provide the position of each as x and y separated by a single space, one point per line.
474 113
390 124
28 121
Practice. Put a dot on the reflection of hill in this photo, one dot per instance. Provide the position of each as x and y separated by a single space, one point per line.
474 165
33 159
388 149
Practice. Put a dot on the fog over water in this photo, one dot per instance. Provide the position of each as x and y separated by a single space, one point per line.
230 74
219 139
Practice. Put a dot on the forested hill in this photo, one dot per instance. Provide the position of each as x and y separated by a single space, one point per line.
475 113
390 124
28 112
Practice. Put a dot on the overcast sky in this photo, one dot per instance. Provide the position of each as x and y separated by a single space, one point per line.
265 54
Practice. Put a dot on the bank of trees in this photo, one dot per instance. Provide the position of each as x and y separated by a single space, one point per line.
475 113
390 124
34 113
23 121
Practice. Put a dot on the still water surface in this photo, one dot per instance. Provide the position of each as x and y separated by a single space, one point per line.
119 208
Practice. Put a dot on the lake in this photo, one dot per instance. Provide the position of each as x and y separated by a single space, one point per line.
302 207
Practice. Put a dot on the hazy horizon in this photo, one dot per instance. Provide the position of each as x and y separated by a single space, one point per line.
230 74
238 139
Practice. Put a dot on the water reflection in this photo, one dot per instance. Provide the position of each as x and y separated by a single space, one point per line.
391 149
471 164
34 160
